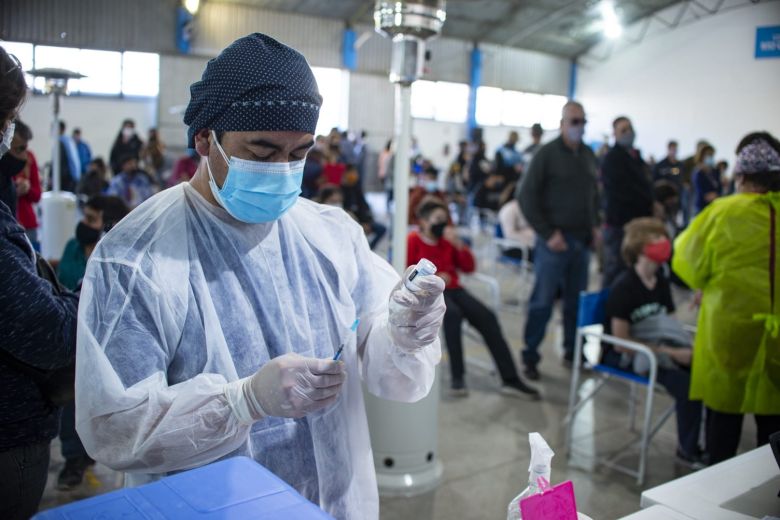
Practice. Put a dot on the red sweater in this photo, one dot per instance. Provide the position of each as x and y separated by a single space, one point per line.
25 213
444 256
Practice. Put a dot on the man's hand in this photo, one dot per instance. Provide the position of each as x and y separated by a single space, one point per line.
556 243
415 318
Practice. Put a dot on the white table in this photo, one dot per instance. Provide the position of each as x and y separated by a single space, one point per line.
656 513
742 488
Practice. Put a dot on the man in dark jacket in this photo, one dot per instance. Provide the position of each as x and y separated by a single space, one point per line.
559 197
628 194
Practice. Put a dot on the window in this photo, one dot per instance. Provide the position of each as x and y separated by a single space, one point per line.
24 53
513 108
334 89
489 106
440 100
107 72
452 100
140 74
423 99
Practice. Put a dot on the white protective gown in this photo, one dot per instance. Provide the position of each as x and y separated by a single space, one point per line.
180 299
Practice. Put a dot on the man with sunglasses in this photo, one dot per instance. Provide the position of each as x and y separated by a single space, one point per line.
559 197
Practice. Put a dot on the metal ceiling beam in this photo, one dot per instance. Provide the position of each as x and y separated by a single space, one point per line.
542 22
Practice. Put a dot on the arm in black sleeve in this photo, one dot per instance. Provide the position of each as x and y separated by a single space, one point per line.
38 326
530 196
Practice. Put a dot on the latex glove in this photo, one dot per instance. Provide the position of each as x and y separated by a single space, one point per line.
294 386
415 318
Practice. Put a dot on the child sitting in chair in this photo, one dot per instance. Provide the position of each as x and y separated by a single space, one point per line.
639 308
438 242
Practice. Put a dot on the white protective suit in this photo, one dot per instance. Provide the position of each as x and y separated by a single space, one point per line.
179 300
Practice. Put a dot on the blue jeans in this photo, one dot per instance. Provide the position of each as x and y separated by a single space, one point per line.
567 271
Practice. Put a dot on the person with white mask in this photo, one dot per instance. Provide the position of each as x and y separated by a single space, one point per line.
212 313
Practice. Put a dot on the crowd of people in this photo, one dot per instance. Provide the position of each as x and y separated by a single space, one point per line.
188 351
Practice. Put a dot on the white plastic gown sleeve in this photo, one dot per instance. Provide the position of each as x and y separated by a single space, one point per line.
179 302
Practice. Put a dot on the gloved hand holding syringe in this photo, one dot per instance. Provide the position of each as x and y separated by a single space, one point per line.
294 386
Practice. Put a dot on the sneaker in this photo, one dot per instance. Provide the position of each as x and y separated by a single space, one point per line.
458 388
72 474
516 388
695 462
531 373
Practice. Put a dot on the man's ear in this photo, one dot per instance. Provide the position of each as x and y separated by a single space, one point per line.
202 142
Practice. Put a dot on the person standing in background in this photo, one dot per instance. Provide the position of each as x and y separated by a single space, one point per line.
559 197
83 149
27 182
628 194
94 181
70 164
687 194
670 168
508 160
153 156
536 142
706 179
127 143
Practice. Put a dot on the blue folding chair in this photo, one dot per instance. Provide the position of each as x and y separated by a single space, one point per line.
591 312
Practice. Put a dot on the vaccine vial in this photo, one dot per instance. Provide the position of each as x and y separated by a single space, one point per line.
424 268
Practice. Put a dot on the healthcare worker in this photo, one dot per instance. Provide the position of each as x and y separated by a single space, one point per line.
210 315
730 252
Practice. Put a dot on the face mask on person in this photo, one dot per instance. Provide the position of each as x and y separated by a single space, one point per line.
659 251
10 165
87 236
431 186
575 133
8 136
709 161
626 140
128 132
255 192
437 229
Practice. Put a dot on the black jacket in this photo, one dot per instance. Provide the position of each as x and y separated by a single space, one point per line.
628 191
560 191
38 328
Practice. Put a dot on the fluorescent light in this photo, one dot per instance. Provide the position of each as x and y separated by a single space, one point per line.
610 20
192 6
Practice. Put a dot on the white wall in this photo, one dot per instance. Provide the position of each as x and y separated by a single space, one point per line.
700 80
99 119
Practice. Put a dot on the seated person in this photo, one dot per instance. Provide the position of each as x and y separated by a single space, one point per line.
101 213
93 182
515 227
354 203
438 242
131 184
640 308
184 168
427 185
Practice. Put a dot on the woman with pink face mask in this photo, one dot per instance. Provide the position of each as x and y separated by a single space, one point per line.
640 308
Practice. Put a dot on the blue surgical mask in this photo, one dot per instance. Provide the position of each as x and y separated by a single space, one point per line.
575 133
255 192
710 161
431 186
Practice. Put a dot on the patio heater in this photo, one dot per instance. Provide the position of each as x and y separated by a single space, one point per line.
59 209
404 436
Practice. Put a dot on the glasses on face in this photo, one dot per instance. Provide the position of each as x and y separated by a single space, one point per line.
578 121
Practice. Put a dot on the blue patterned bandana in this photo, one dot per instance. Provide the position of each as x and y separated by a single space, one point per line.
256 84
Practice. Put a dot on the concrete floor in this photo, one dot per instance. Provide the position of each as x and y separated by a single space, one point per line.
483 439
